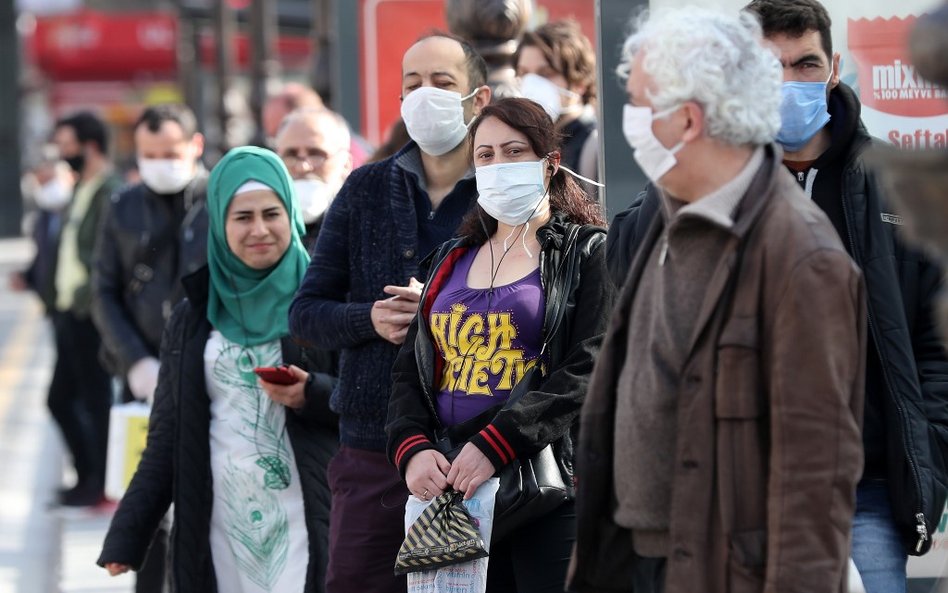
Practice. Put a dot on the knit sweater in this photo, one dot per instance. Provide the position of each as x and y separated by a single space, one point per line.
369 239
661 321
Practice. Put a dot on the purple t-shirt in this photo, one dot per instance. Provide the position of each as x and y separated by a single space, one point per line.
487 342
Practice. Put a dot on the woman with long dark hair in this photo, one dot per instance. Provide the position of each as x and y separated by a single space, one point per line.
500 353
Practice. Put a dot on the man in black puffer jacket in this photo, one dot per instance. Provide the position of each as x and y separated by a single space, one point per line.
902 493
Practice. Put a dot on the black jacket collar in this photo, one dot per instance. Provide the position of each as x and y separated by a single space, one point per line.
197 286
847 132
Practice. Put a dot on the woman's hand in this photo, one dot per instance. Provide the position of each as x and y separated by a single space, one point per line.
116 569
291 396
470 469
426 474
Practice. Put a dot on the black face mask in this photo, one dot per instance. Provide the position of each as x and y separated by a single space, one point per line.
76 162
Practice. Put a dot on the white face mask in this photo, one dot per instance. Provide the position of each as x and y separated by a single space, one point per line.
53 195
650 154
166 176
546 93
434 118
314 196
511 192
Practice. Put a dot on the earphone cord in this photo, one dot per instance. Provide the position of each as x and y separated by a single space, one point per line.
490 296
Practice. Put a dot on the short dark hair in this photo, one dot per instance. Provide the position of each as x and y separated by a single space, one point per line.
473 61
88 128
568 51
155 116
794 18
566 196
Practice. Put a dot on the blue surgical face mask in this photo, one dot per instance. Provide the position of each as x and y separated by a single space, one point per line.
803 112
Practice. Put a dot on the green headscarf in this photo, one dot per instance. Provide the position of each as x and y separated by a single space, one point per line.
251 306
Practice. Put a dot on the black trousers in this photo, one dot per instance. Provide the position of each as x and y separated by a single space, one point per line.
80 397
648 574
534 558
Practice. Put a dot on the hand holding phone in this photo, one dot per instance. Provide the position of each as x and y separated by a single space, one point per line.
280 375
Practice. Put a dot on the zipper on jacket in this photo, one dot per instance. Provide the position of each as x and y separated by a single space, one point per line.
663 254
922 530
546 297
920 526
810 181
423 327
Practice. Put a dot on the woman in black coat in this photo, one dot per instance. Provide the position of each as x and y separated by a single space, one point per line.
243 460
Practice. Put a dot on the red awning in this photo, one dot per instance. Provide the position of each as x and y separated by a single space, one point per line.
97 46
88 46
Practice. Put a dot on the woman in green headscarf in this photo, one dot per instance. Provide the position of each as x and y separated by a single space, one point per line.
242 458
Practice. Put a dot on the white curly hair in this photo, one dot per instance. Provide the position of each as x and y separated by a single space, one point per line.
715 59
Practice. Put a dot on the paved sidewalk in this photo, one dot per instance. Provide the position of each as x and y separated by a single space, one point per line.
41 551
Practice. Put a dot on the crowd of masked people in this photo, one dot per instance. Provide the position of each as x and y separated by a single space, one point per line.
740 380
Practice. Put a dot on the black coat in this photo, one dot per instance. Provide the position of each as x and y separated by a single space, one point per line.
550 413
901 287
176 464
148 242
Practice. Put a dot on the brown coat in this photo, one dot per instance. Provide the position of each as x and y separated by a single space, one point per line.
768 446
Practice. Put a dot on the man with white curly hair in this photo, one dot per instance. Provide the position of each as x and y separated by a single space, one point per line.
719 442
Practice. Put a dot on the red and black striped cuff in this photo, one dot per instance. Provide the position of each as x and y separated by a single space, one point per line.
494 445
408 448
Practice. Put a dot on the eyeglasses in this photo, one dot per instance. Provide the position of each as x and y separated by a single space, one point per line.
316 157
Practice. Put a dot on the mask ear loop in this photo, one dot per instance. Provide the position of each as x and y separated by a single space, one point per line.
578 176
473 117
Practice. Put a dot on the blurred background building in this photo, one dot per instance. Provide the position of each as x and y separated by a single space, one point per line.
116 56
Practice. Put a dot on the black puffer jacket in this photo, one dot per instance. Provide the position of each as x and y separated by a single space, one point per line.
901 287
176 464
148 242
546 415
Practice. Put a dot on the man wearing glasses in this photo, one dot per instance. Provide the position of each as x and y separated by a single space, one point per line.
314 145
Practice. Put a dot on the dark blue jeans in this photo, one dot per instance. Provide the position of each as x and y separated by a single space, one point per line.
878 552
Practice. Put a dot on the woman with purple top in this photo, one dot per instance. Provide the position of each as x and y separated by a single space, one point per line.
521 295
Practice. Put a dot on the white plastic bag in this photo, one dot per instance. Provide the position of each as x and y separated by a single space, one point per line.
466 577
128 431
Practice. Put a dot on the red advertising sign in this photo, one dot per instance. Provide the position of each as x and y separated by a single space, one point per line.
898 104
390 27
